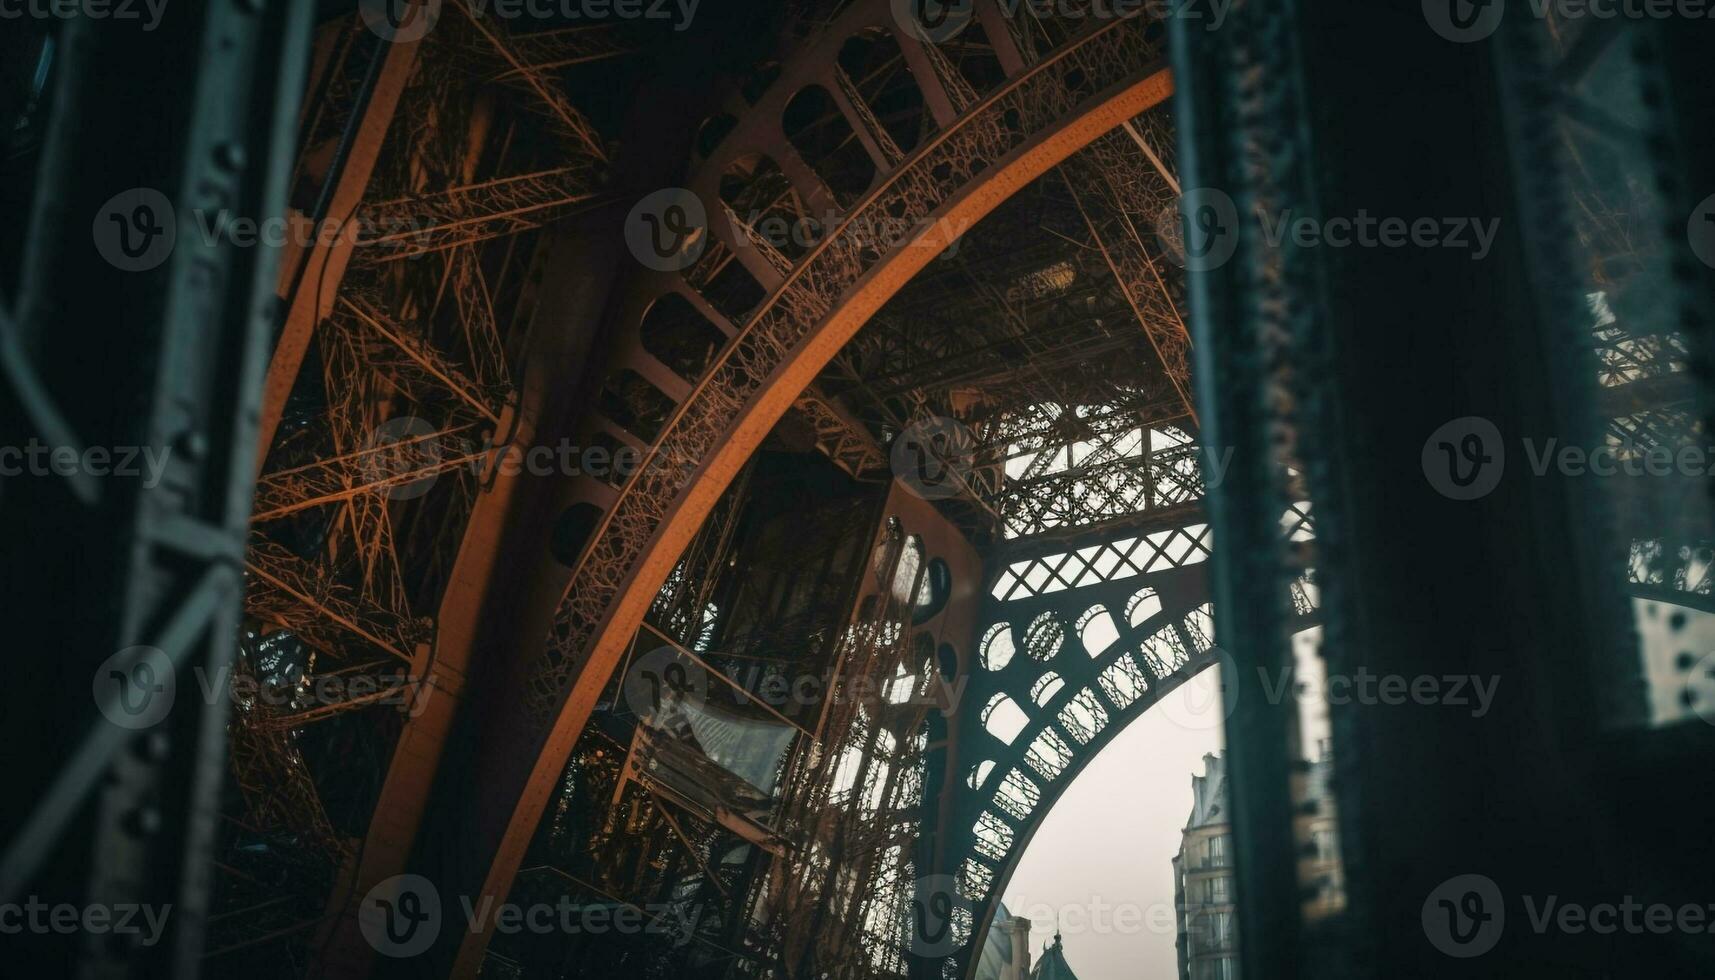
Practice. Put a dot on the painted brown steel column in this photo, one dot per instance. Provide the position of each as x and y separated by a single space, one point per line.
310 296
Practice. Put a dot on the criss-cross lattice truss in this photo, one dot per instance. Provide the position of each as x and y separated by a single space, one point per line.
1047 336
1046 340
1074 467
389 429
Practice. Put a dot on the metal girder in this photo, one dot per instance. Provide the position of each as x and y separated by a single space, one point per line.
1121 193
540 53
408 228
377 469
1113 65
117 809
839 436
285 588
408 360
524 69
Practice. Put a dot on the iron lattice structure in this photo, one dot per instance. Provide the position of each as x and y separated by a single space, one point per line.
1049 338
1049 335
1067 362
877 504
386 432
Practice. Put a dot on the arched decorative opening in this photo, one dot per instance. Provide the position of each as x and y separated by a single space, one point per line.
1004 719
879 81
823 136
634 404
997 647
572 530
788 330
763 202
679 336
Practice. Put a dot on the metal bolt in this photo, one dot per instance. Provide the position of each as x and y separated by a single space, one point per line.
230 156
152 747
193 444
142 821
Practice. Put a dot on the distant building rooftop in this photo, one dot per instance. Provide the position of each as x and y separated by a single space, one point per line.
1053 965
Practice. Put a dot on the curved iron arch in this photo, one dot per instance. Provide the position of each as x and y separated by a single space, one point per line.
1184 611
1122 682
1038 116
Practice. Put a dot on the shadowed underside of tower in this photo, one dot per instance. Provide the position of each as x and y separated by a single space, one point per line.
685 488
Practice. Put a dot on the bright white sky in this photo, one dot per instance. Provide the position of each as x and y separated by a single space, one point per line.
1109 842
